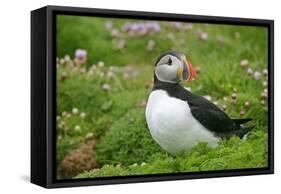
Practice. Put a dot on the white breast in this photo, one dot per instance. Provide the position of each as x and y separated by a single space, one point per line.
172 125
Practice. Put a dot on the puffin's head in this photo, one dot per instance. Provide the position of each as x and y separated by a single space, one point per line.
173 67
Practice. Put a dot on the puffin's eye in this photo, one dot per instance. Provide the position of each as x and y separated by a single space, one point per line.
170 61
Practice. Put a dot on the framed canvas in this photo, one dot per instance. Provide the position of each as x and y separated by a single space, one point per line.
126 96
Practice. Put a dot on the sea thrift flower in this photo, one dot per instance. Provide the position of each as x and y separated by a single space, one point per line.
141 29
264 95
155 26
93 67
257 75
126 27
203 36
101 64
135 27
188 26
246 104
234 96
80 57
62 61
265 72
80 53
110 74
67 58
114 33
75 111
61 125
244 63
249 71
89 135
176 25
106 87
82 115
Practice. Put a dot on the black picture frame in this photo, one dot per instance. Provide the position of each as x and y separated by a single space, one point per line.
43 95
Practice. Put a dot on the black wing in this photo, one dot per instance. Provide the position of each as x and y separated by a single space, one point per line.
214 119
210 116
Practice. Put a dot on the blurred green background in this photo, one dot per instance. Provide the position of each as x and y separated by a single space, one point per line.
101 96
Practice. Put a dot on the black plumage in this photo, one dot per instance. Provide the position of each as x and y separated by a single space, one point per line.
208 114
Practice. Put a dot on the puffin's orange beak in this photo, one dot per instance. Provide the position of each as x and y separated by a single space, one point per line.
191 71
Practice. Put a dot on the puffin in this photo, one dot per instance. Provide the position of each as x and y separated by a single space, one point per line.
179 119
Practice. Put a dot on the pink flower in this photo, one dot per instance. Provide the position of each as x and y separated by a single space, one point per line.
177 25
109 25
80 53
154 26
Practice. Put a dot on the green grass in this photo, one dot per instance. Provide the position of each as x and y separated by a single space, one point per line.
115 118
231 154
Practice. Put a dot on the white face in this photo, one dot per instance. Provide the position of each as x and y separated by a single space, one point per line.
169 69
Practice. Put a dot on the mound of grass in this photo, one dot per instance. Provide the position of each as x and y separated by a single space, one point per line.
232 154
128 141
